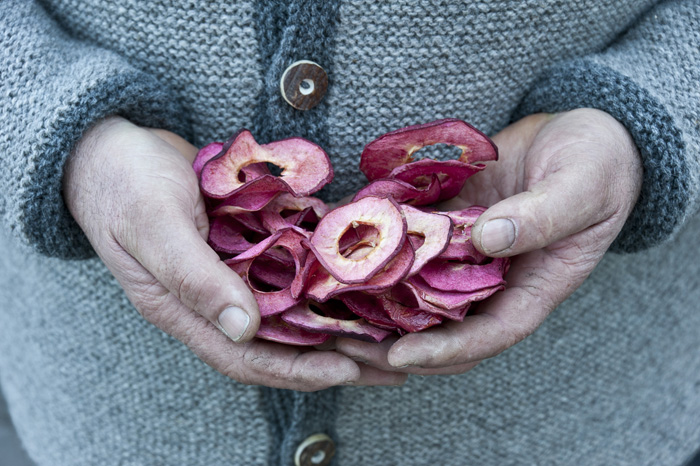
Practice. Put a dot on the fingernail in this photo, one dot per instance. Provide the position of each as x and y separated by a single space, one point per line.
497 235
234 322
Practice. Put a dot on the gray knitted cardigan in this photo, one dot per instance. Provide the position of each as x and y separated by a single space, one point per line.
612 377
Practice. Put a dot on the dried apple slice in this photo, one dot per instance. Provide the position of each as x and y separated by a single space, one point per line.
251 196
407 294
461 247
451 174
272 301
464 277
286 201
410 320
402 191
305 166
205 154
227 235
436 231
369 308
384 214
396 148
303 317
266 269
273 328
449 299
321 285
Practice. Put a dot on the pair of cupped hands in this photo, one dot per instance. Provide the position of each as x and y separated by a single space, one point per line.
558 197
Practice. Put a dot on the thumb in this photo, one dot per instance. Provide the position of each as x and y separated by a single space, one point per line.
175 253
562 204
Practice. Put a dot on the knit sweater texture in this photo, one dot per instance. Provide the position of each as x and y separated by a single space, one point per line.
612 377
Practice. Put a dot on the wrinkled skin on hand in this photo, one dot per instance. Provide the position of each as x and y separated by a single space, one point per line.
134 193
562 190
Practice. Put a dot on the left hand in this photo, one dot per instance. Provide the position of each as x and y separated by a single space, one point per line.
559 196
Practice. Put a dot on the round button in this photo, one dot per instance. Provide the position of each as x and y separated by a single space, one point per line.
304 84
316 450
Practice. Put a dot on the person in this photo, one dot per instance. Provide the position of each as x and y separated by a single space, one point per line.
113 302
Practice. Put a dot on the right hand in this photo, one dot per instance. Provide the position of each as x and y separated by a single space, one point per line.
134 193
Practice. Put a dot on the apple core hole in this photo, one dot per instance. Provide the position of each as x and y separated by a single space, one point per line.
288 212
275 170
306 87
333 308
358 234
438 152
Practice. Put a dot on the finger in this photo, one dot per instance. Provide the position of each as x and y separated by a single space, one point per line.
376 355
535 288
260 362
562 204
266 363
373 376
172 249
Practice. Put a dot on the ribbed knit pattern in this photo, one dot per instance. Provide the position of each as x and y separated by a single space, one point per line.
611 377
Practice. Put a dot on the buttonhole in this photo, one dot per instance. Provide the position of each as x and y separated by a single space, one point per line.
318 457
306 87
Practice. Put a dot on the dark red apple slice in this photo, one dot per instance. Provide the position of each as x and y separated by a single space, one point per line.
396 148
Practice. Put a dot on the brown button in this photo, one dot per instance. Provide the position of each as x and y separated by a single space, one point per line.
316 450
304 84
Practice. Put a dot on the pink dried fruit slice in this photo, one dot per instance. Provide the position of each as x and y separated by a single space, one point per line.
449 299
381 213
275 329
303 317
461 247
321 285
205 154
369 308
228 235
410 320
272 301
396 148
436 231
451 174
402 191
265 269
251 196
286 201
464 277
273 221
406 294
305 166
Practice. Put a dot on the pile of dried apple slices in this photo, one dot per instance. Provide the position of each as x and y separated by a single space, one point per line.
385 263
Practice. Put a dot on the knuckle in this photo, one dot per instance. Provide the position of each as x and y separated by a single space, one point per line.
190 288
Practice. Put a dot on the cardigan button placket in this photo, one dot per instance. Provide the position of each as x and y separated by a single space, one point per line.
303 84
316 450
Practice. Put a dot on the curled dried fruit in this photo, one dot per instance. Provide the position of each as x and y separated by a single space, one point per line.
303 317
273 328
365 270
436 231
396 148
383 214
305 166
